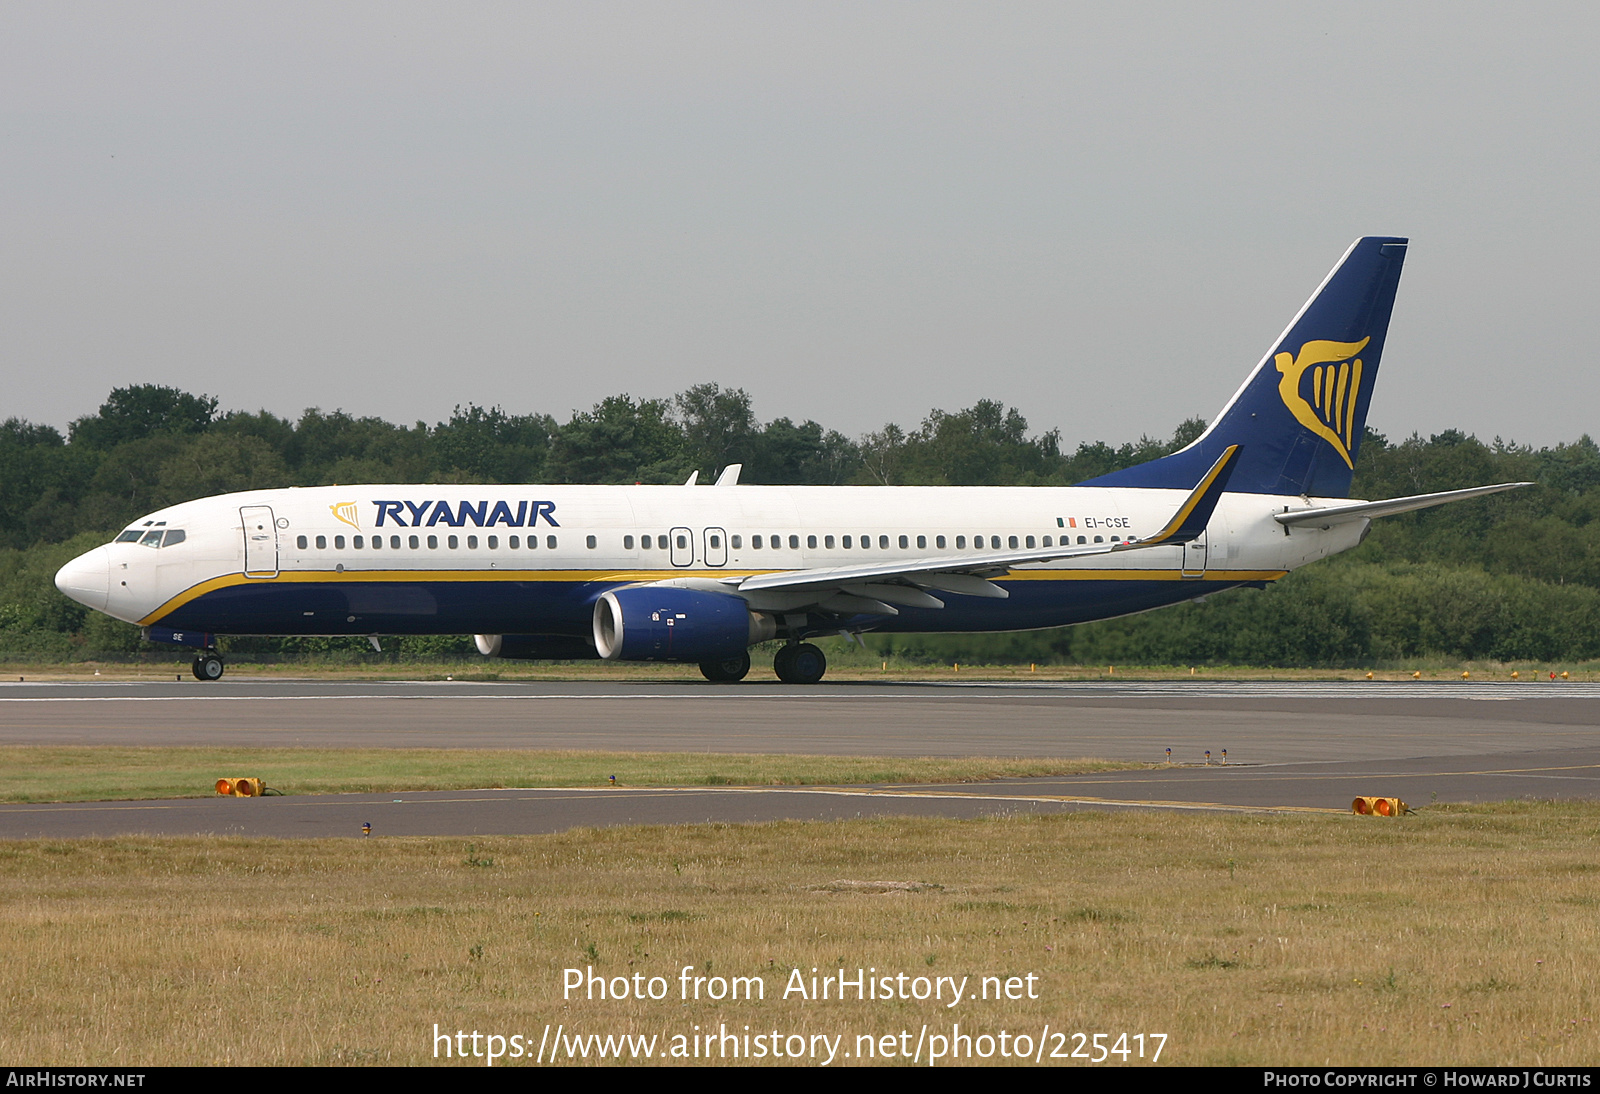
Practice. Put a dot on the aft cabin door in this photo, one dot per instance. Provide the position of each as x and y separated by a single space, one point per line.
260 541
682 547
1194 558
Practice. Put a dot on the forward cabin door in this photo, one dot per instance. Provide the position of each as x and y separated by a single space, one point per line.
260 541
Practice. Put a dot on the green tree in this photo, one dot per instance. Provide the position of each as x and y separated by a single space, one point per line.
144 410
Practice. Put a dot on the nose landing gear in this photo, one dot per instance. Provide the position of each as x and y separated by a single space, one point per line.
208 666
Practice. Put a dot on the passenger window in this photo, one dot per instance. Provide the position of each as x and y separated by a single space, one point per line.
377 543
1012 542
737 541
938 541
1030 541
322 541
589 542
755 543
516 541
827 541
1116 539
360 541
961 541
683 541
846 542
883 542
716 542
1099 539
1047 542
811 541
922 542
1082 540
433 543
300 541
338 543
904 542
794 543
866 543
394 542
550 542
627 542
452 542
472 543
494 542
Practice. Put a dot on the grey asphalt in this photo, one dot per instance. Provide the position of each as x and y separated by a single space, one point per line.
1289 746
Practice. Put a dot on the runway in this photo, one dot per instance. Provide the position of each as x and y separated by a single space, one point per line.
1288 746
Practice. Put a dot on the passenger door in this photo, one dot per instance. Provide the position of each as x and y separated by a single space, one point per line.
260 541
1194 558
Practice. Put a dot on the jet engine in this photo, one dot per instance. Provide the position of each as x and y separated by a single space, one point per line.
665 623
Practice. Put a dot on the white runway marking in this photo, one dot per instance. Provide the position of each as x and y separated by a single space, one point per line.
1484 692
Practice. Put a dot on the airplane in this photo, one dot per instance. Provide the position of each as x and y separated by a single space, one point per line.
700 574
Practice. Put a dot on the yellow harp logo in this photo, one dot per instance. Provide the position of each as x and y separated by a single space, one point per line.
347 512
1328 408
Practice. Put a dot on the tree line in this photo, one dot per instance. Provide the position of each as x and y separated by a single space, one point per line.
1514 576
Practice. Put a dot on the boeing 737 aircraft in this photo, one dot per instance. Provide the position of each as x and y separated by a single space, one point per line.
701 573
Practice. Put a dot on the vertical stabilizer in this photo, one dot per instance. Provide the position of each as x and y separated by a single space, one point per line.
1299 418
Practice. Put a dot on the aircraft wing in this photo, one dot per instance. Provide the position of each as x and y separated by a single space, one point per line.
873 587
1327 515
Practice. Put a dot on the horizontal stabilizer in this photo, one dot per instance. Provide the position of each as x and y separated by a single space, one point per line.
1329 515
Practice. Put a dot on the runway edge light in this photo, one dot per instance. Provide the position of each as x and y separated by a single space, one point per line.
240 788
1379 807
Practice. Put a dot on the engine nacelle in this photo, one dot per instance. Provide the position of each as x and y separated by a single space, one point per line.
664 623
535 647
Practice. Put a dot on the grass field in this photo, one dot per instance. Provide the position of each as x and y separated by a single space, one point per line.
854 667
1464 935
31 773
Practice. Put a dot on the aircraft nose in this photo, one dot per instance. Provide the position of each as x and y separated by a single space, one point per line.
87 579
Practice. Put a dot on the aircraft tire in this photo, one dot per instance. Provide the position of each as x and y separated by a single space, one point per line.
801 664
730 670
208 667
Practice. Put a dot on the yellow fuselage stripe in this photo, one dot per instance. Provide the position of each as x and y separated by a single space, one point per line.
622 577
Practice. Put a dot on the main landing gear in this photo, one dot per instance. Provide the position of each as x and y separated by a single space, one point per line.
728 671
207 666
797 663
800 663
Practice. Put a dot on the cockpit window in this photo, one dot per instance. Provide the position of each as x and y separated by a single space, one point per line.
155 537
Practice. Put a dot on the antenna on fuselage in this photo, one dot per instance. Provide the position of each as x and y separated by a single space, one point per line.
730 475
694 477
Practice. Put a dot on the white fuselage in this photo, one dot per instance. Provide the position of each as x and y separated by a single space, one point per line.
475 559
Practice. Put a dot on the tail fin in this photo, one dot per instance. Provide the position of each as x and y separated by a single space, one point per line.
1300 416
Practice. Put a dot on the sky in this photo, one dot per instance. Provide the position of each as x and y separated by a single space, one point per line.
1099 214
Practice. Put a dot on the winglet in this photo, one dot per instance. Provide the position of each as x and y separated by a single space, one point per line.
1195 513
